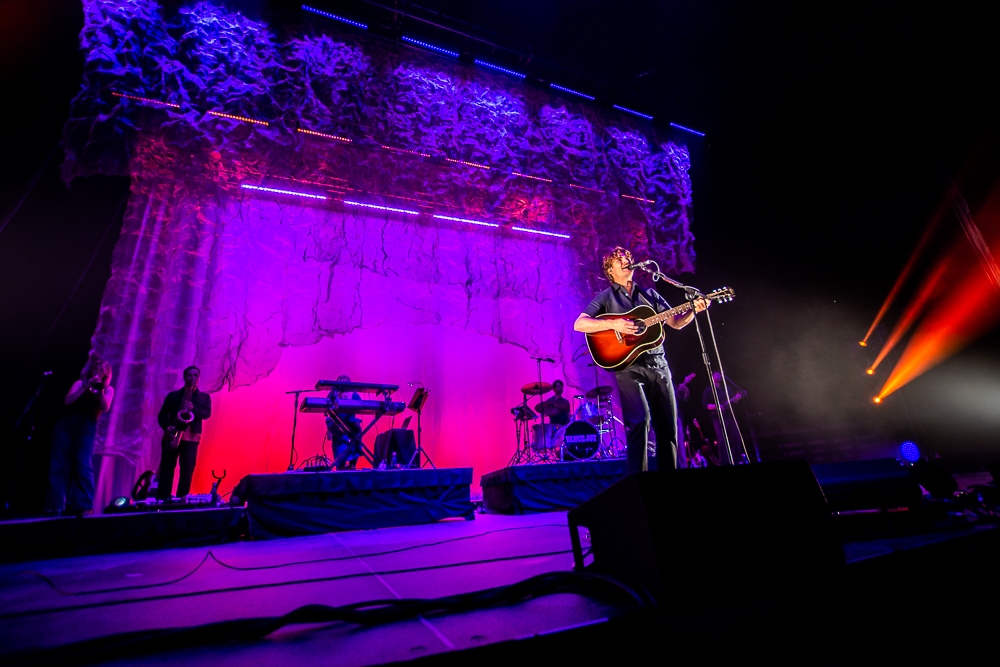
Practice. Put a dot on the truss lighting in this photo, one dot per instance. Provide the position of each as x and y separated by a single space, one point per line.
687 129
239 118
382 208
633 112
325 136
584 187
467 164
410 40
483 63
328 15
282 192
648 201
471 222
405 150
534 178
571 91
146 99
539 231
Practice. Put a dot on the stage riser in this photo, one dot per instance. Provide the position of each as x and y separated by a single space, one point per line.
548 488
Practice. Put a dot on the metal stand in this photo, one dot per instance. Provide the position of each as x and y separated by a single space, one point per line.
417 405
295 423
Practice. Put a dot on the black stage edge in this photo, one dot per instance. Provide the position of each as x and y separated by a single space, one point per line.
36 539
548 487
308 503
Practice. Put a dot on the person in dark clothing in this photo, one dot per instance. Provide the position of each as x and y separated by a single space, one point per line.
346 451
181 418
71 469
645 388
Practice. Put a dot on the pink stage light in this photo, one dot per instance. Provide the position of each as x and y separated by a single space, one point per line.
282 192
648 201
146 99
239 118
405 150
534 178
382 208
583 187
468 164
539 231
471 222
325 136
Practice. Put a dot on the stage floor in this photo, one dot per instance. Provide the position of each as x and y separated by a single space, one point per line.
444 558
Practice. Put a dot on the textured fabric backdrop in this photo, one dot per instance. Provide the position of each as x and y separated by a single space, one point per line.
207 272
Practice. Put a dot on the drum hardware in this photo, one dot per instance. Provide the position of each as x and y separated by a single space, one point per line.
536 388
599 392
523 413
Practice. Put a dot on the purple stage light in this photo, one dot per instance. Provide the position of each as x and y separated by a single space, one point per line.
325 136
283 192
483 63
243 119
467 164
382 208
410 40
633 112
539 231
145 99
471 222
687 129
328 15
571 91
534 178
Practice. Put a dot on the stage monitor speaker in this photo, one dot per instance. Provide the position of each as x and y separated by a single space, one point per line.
877 484
693 535
398 440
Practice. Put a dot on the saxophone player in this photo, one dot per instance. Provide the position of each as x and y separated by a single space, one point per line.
181 418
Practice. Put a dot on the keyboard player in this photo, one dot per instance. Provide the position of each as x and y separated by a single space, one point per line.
346 450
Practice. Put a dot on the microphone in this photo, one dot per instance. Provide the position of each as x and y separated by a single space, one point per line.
548 360
639 265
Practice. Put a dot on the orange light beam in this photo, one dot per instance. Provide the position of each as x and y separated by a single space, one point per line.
901 280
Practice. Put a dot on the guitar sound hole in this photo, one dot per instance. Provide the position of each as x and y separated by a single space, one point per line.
640 327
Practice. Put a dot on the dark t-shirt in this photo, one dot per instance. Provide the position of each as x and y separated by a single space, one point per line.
616 299
87 405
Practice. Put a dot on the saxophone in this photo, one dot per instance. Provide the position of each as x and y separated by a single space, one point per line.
184 417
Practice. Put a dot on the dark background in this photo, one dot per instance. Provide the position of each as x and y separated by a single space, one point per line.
833 131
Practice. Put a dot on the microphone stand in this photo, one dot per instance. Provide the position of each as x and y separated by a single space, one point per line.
691 294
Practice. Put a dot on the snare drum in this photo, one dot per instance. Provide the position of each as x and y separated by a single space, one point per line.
580 440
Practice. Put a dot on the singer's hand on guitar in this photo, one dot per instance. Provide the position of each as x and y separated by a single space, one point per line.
701 304
624 326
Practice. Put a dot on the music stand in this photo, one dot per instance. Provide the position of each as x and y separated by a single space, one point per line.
416 404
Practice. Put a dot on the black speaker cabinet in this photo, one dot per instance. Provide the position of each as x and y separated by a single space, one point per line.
698 533
398 440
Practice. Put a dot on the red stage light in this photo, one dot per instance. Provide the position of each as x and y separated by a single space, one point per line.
877 399
863 344
870 371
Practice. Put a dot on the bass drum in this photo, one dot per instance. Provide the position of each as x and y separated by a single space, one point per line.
581 441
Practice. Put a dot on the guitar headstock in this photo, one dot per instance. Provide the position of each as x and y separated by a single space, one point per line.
722 295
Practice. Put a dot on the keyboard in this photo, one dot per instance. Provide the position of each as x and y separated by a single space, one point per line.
352 406
360 387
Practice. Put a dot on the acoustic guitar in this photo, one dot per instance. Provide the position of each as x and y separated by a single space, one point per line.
614 351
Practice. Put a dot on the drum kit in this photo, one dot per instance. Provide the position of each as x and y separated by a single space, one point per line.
590 434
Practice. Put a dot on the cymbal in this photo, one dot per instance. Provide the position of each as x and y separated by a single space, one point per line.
536 388
603 390
549 409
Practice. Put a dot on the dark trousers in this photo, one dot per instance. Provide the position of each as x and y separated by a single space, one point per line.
71 470
647 396
187 451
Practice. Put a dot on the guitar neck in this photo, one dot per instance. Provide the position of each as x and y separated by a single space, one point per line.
667 314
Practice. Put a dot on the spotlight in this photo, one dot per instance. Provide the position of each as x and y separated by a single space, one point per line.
877 399
863 344
870 371
909 452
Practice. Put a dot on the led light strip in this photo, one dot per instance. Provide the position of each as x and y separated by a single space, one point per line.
325 136
648 201
240 118
687 129
382 208
468 164
483 63
405 150
471 222
539 231
534 178
584 187
282 192
633 112
145 99
571 91
334 17
410 40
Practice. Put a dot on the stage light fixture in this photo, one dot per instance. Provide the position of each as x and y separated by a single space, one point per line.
471 222
583 187
571 91
328 15
483 63
405 150
687 129
539 231
643 199
146 99
382 208
239 118
534 178
438 49
870 371
467 164
909 452
877 400
283 192
325 136
863 344
633 112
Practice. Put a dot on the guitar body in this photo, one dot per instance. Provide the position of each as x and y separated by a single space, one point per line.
613 351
